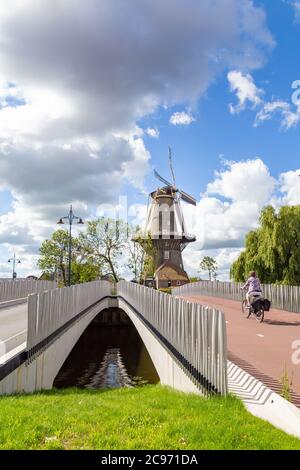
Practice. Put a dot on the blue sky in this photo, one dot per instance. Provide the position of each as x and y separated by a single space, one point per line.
197 147
77 130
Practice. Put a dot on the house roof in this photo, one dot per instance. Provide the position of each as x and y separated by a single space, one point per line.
170 272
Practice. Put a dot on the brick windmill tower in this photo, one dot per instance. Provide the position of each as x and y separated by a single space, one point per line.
165 224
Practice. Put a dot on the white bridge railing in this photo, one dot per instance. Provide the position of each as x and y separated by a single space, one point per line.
10 290
51 310
195 335
282 297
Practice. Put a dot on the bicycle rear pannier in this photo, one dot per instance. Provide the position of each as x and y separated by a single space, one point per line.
267 305
256 305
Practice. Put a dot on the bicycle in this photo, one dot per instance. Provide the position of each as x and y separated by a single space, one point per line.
259 314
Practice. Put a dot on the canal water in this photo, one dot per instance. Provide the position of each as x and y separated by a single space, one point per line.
110 353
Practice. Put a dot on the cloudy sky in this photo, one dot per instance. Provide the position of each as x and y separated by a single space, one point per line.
92 93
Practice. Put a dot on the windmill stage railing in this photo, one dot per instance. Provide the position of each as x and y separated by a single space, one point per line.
15 289
282 297
194 335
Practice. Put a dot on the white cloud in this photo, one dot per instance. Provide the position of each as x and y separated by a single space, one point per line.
290 187
181 119
228 210
223 257
77 77
134 168
244 181
289 118
296 6
152 132
245 89
247 92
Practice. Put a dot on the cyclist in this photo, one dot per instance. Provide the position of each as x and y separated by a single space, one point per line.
254 288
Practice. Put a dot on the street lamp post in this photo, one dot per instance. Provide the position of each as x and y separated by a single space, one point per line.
70 217
14 260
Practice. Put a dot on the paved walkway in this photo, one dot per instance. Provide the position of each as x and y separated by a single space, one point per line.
262 349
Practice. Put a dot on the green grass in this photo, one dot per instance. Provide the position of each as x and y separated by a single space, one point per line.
150 417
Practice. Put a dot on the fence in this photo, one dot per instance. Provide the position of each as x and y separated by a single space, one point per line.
49 311
195 335
10 290
282 297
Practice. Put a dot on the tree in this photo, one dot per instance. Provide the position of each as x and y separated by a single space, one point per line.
136 258
54 257
148 255
54 254
85 271
104 241
273 250
209 264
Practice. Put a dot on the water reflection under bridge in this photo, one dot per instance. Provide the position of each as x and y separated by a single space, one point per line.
109 354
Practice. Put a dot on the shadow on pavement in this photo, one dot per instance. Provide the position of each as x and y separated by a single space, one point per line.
280 323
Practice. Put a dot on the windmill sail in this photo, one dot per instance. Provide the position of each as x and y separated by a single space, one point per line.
171 166
161 179
187 198
183 195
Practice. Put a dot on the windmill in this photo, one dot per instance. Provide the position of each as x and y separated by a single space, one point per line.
166 226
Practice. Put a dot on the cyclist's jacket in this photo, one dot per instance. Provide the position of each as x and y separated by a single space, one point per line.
253 285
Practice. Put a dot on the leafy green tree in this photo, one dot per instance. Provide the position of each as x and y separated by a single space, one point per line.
85 271
209 264
136 252
100 248
54 254
273 250
105 241
148 255
54 259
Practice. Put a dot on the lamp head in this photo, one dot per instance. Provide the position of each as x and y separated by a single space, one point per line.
60 222
80 221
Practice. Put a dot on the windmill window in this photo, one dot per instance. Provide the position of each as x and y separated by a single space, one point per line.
166 255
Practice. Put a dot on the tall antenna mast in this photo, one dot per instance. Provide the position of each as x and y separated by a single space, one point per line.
171 166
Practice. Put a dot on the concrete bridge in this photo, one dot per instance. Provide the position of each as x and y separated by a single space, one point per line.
186 342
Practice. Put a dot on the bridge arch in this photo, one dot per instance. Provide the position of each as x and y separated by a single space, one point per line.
109 353
186 342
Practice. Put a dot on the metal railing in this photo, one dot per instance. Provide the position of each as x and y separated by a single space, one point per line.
10 290
194 335
49 311
282 297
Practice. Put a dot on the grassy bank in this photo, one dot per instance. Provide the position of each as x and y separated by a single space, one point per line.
151 417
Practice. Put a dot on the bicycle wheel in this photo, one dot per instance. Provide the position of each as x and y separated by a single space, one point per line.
246 311
260 315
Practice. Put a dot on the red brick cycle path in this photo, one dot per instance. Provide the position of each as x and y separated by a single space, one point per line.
262 349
